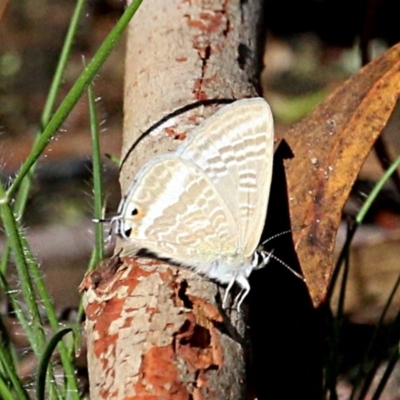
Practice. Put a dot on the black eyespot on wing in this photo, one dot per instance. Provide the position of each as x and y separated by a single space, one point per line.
134 212
127 232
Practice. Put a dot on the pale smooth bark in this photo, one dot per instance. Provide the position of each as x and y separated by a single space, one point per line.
154 330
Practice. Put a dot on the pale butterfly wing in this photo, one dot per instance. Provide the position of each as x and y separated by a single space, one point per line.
174 211
204 206
235 149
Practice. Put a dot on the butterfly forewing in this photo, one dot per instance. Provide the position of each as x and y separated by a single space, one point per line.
178 213
234 148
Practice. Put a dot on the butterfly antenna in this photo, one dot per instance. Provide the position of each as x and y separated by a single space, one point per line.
270 255
111 221
100 220
282 233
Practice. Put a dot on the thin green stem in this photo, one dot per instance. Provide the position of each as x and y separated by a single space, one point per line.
34 325
97 184
358 220
5 392
74 94
367 354
344 256
62 62
385 378
376 190
11 374
14 235
24 189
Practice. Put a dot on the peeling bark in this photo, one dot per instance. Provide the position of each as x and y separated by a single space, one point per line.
157 331
180 52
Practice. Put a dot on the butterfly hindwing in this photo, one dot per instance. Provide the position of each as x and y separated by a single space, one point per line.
234 148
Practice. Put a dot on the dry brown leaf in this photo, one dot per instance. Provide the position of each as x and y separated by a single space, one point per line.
329 148
3 4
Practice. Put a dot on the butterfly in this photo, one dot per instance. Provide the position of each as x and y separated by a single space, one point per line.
204 206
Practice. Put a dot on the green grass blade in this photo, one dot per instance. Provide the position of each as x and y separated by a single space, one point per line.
45 362
24 189
344 256
33 326
114 159
97 183
343 285
11 374
62 62
361 373
359 219
388 371
5 392
75 93
26 326
14 235
8 354
376 190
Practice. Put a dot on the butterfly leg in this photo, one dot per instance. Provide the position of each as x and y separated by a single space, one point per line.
228 289
242 281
